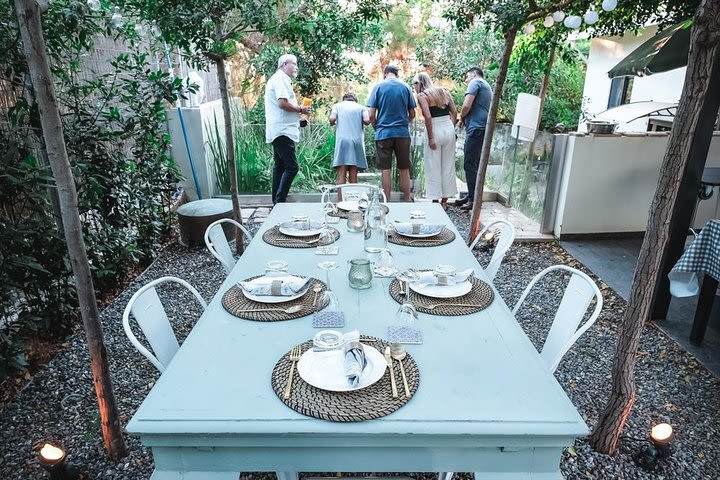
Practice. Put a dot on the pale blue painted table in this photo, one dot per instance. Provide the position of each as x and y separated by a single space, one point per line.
486 402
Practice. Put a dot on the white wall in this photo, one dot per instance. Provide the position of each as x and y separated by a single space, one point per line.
195 119
609 181
605 53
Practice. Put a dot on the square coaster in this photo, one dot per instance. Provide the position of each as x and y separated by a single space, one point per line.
328 319
327 250
404 334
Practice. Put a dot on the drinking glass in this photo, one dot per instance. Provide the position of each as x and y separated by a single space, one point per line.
329 296
276 268
326 235
406 315
385 264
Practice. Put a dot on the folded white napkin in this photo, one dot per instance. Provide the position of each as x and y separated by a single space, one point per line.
417 228
429 278
355 361
300 225
284 286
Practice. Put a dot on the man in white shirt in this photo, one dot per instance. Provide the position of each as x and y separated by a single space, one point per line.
282 125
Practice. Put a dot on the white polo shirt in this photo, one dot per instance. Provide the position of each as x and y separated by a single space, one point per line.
278 121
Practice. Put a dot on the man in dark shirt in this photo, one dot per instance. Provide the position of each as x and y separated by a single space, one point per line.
391 106
474 116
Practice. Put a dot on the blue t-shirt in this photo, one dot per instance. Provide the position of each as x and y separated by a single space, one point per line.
392 99
477 118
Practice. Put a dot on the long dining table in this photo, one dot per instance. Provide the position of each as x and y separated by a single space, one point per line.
485 403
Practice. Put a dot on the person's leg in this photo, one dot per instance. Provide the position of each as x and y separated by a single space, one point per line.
402 155
287 152
473 148
341 170
432 173
278 168
383 159
448 177
353 174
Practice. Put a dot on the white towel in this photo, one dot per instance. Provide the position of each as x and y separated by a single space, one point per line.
284 286
430 278
408 228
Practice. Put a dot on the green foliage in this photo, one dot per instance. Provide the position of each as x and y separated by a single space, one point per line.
114 126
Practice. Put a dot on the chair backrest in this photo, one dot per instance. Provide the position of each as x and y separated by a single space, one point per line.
576 299
350 191
505 239
150 315
217 243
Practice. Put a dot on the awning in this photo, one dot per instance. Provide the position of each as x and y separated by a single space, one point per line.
632 111
665 51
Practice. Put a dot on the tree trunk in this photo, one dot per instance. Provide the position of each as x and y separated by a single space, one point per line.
230 145
690 139
34 46
489 130
543 93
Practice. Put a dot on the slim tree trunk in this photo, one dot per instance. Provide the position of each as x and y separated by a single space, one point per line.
34 46
689 140
543 93
489 130
230 145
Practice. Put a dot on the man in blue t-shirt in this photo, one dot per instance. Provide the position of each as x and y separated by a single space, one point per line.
474 116
391 106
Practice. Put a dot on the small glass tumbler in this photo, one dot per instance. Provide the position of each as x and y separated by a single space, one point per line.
443 273
355 221
327 340
276 268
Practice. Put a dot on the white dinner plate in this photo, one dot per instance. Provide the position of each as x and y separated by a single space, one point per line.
325 369
275 298
348 205
420 235
442 291
290 229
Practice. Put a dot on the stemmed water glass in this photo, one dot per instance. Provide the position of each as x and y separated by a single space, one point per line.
406 316
330 208
329 296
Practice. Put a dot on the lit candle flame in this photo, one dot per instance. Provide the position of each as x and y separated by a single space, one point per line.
51 452
661 432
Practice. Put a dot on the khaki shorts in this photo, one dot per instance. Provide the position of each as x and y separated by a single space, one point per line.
385 149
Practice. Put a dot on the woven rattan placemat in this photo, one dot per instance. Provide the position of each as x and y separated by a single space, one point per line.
445 236
344 213
235 301
273 236
371 402
478 298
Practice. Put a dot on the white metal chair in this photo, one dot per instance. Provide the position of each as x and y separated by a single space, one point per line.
150 315
350 191
217 243
506 238
566 328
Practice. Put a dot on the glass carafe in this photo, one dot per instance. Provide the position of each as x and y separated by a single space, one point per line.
375 232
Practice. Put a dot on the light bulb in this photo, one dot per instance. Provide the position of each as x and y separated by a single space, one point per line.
609 5
591 17
529 29
558 16
94 5
548 22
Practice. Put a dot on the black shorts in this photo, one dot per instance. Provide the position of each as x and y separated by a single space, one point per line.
385 149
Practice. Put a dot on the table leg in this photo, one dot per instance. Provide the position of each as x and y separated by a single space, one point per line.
287 475
702 312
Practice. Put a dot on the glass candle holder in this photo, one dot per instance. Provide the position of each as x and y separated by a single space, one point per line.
355 221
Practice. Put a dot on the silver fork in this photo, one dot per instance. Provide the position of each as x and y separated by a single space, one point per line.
294 357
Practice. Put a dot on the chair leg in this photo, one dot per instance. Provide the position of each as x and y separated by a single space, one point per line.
445 475
287 475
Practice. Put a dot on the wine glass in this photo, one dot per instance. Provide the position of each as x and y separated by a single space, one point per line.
406 316
329 208
329 296
385 264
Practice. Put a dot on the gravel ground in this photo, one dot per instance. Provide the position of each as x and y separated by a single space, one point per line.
59 401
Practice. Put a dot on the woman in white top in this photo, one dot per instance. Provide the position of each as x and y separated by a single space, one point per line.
350 118
438 110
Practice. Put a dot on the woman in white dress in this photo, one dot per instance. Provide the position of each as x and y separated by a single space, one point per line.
440 114
350 118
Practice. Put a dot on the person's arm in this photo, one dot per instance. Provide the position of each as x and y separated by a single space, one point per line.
285 104
413 105
371 115
372 106
453 110
425 109
466 106
333 116
365 117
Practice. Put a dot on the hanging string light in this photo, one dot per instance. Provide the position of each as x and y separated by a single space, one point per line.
591 17
609 5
